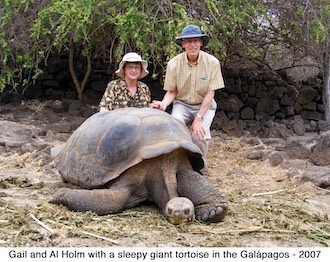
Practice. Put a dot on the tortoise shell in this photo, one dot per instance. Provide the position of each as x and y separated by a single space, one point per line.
108 143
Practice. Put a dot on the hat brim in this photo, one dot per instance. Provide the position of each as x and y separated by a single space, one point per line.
205 39
144 73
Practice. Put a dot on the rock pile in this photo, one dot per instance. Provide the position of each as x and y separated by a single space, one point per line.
270 104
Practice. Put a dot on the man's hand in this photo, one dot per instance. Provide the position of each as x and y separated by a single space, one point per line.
197 128
158 105
103 109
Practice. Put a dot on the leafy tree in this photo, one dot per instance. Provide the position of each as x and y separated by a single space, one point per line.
243 33
236 27
108 29
303 26
105 29
72 25
19 54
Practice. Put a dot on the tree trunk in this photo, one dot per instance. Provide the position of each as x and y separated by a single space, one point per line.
326 86
79 87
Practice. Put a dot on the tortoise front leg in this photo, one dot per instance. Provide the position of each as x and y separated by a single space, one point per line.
100 201
210 206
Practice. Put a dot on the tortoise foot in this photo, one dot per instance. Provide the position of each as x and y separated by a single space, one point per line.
211 212
59 196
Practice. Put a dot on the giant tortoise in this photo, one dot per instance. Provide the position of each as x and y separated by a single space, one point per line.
121 158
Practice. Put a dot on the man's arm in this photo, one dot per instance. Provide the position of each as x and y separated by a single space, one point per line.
207 101
167 100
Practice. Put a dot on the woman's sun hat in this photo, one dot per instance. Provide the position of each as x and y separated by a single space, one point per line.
134 58
192 31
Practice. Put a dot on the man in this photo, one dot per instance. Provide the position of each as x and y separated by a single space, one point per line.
191 80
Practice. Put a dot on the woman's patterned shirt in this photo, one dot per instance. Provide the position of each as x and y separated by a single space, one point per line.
117 95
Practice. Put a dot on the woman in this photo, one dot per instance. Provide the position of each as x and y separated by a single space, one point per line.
127 91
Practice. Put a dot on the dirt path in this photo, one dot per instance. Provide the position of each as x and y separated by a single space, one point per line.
269 206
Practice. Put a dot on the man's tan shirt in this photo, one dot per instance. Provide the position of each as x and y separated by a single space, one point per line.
192 81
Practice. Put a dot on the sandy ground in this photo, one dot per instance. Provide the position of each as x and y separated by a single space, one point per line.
268 206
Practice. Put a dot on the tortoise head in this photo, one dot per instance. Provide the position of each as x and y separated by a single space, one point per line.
179 210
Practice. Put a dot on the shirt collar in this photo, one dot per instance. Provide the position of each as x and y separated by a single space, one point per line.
198 59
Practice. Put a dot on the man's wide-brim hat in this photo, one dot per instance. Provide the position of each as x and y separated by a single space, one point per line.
192 31
133 58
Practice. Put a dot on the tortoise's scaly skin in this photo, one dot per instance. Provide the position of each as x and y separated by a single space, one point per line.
126 156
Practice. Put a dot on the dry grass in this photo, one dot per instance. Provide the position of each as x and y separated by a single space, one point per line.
247 223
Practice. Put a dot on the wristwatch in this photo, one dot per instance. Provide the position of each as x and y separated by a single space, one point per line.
200 117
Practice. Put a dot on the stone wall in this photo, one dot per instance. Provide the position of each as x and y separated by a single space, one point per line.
260 103
264 102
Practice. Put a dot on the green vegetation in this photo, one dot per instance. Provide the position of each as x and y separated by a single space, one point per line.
243 33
